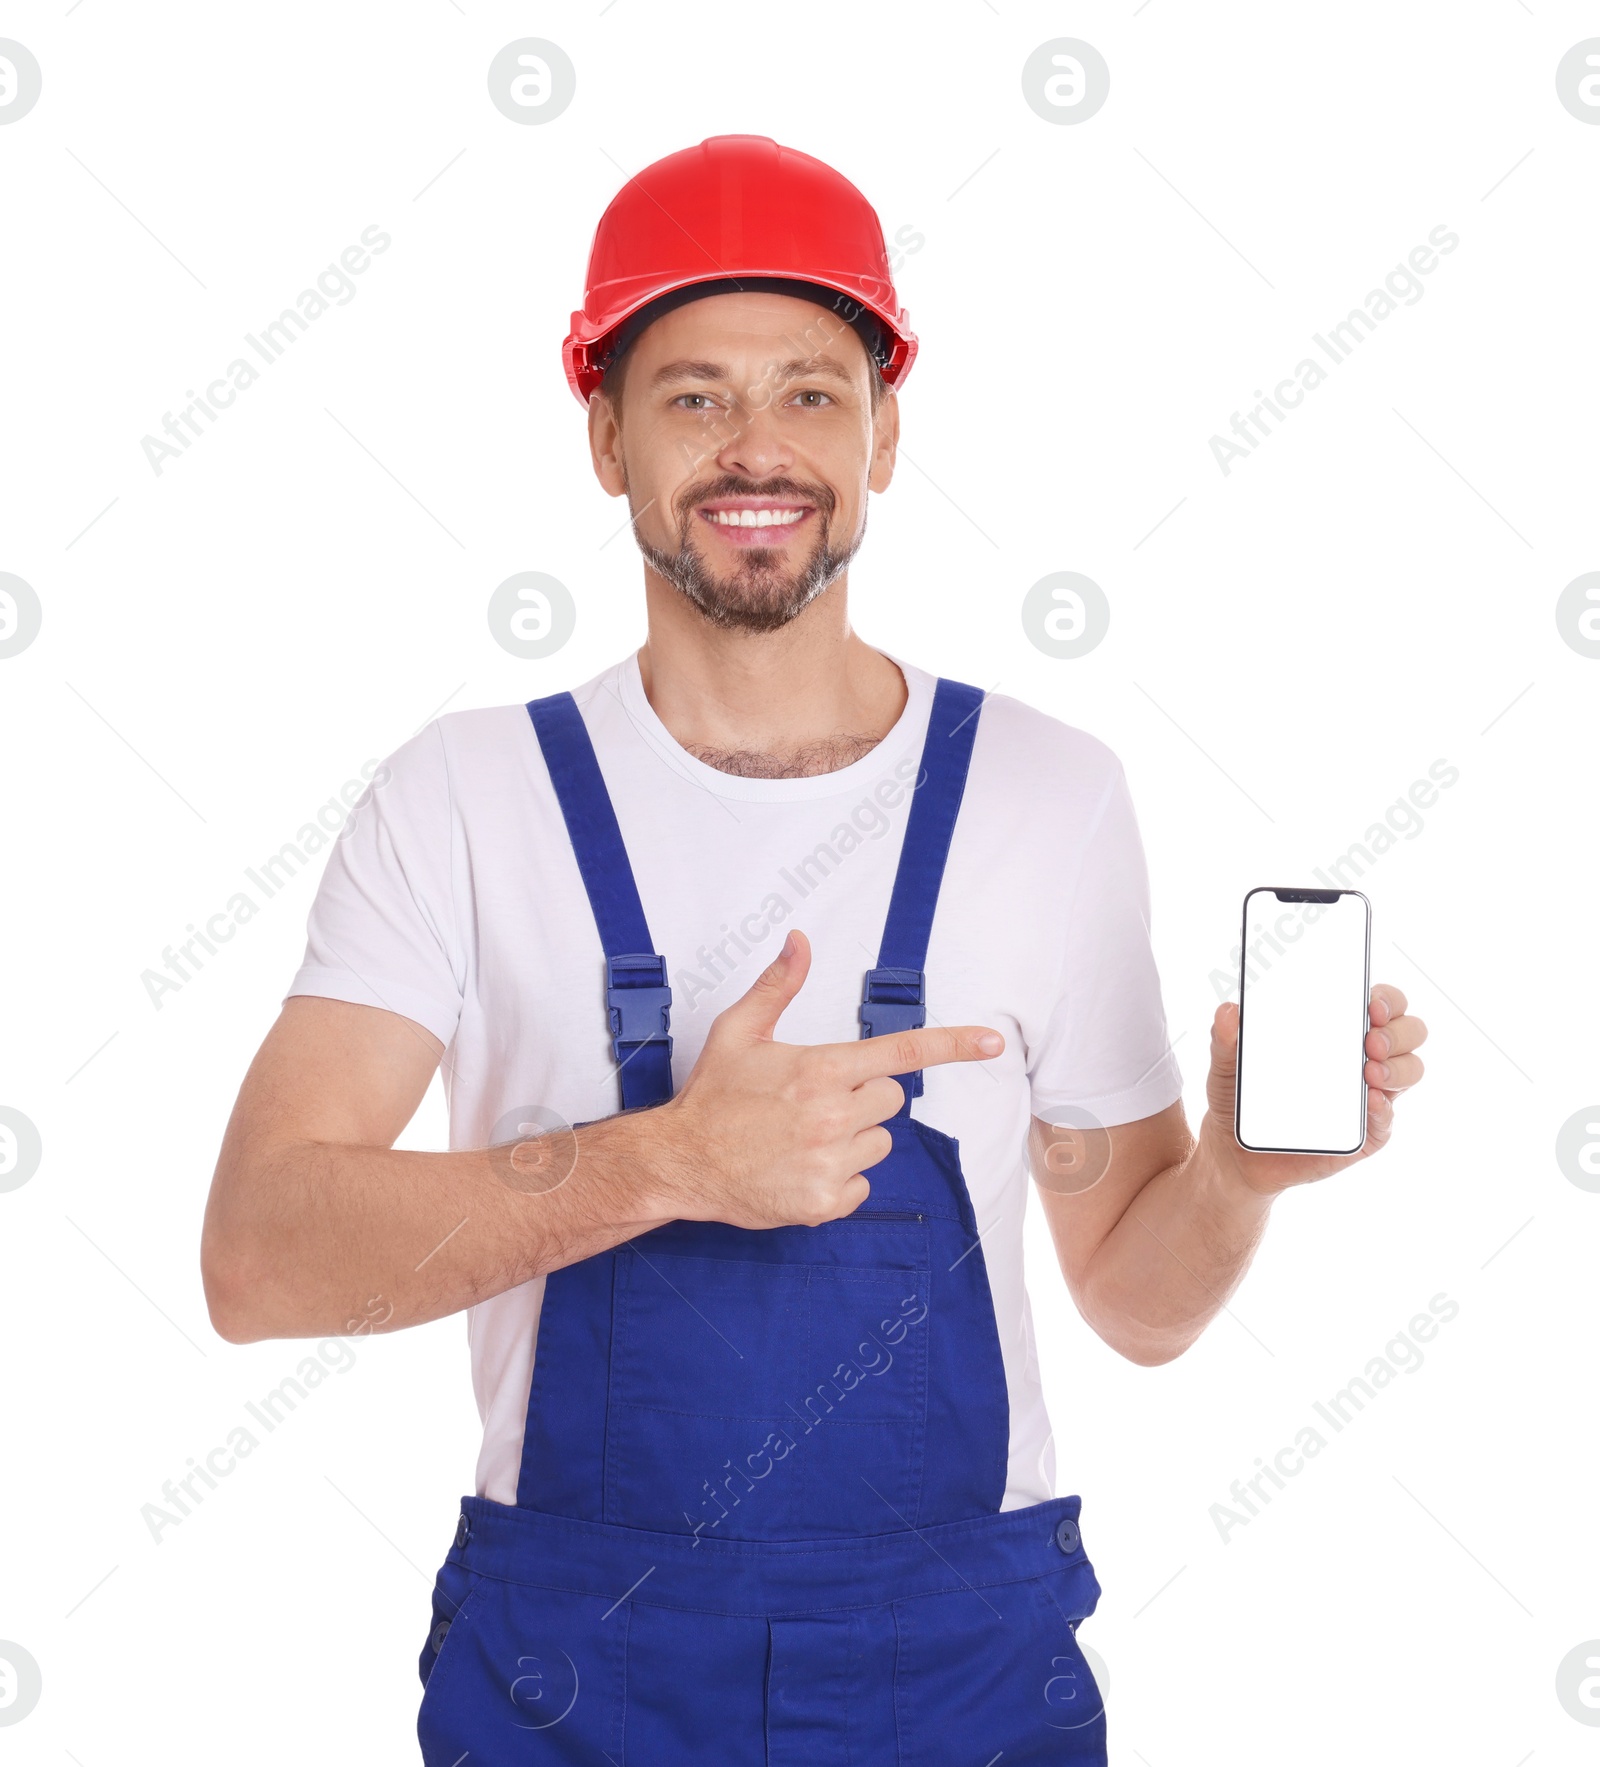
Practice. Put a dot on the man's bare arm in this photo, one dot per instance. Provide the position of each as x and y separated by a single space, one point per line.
314 1216
1154 1228
1150 1236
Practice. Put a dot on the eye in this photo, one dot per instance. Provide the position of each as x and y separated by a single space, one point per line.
705 397
815 393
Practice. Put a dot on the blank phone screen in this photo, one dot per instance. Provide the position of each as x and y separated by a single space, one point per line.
1303 1023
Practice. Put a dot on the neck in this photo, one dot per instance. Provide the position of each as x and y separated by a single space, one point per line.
809 698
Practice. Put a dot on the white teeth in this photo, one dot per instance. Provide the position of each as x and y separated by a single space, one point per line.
756 518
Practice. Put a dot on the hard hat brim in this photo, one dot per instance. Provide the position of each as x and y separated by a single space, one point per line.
587 344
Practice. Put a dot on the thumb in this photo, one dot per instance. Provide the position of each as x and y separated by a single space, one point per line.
758 1012
1224 1059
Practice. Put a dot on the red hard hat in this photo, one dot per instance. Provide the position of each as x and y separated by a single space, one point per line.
733 209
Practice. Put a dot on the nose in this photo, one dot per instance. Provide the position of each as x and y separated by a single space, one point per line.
756 449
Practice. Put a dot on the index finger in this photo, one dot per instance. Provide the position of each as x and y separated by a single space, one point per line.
903 1052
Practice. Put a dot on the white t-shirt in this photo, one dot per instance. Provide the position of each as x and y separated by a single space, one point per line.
454 899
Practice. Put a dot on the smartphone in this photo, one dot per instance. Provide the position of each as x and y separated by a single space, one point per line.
1300 1085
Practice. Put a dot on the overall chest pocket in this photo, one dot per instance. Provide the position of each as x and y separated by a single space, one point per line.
780 1395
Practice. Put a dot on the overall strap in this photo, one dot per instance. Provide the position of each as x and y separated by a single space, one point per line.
638 1000
894 997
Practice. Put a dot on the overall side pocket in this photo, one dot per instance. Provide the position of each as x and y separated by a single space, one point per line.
451 1590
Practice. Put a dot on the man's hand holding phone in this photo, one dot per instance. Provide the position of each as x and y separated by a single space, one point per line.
1392 1066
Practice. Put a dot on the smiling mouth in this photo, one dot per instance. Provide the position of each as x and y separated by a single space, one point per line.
749 524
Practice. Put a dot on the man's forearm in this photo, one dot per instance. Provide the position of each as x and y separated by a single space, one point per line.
325 1239
1180 1249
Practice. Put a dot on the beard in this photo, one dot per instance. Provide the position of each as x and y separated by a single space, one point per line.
761 591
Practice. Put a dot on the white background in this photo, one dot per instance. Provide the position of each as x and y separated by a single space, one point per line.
1291 645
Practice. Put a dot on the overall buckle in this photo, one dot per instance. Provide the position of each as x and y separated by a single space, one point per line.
638 1001
895 1000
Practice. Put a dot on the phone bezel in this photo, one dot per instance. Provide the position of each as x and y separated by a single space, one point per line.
1298 893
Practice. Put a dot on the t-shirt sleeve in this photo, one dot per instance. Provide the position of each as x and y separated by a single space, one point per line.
1104 1049
382 928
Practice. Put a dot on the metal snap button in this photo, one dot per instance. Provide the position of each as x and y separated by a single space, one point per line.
463 1530
1067 1535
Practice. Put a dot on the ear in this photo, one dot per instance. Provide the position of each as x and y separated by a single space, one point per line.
885 439
605 445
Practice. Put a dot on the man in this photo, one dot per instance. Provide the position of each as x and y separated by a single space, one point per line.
766 1473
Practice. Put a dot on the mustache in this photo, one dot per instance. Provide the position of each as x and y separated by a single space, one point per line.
730 486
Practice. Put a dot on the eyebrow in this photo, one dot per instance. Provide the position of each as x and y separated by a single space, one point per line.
796 368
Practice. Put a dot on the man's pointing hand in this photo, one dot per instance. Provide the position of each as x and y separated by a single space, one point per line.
770 1134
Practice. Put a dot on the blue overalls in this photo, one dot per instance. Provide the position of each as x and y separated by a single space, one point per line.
758 1518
